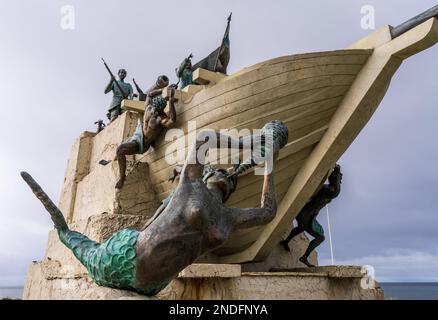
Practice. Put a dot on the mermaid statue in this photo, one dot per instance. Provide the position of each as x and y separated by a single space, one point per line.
194 222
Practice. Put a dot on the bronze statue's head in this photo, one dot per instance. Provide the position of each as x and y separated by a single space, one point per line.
162 81
219 178
122 74
188 64
159 103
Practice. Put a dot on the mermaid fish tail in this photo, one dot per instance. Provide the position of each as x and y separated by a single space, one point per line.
56 214
111 263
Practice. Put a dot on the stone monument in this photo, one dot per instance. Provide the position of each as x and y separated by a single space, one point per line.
325 99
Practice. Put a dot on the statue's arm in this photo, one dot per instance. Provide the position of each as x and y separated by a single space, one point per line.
155 92
251 217
109 87
193 168
131 93
171 119
335 179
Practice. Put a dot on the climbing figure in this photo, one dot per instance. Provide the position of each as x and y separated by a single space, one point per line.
155 121
306 219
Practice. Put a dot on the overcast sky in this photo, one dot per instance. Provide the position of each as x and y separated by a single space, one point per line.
52 89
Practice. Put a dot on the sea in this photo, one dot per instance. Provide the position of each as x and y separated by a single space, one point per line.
393 291
11 293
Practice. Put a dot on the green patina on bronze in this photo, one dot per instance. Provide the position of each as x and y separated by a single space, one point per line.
111 263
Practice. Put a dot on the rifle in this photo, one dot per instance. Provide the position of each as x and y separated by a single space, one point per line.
223 42
112 77
141 95
137 87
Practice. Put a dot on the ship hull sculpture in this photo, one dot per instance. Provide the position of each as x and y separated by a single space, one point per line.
325 99
194 222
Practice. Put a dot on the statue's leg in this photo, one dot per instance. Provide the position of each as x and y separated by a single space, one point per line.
295 231
319 238
128 148
117 111
251 217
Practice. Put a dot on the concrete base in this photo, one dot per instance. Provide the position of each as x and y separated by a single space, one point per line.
206 282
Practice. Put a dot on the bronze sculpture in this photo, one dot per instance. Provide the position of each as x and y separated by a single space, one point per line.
100 125
218 60
141 95
121 90
214 178
185 72
155 120
194 222
306 219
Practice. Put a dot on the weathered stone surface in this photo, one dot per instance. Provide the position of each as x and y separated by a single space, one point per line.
281 259
101 227
206 77
211 271
334 271
137 197
78 166
88 202
106 142
47 281
270 286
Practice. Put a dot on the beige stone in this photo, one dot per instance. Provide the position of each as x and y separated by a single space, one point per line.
206 77
281 259
193 89
106 142
136 198
133 105
78 166
180 96
374 40
211 271
45 281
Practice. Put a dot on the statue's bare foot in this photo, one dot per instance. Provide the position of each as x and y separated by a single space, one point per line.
285 245
120 183
307 263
